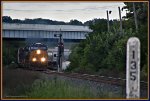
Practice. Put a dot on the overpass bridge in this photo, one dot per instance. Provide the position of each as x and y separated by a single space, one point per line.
69 32
31 33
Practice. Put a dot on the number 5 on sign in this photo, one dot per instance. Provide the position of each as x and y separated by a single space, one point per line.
133 68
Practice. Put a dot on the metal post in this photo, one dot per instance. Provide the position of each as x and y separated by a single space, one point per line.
8 53
107 20
135 18
120 20
60 54
59 59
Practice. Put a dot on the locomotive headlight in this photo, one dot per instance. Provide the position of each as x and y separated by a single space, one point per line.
43 59
33 59
38 52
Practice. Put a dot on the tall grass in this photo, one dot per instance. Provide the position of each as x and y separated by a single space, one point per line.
17 82
59 89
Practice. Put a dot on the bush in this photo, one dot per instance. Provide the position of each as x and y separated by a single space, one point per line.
105 50
10 51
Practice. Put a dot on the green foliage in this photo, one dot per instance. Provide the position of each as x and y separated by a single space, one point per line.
58 89
10 50
141 11
99 25
8 19
103 50
75 22
116 58
9 54
142 34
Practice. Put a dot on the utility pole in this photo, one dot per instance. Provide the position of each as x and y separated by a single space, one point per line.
108 12
135 18
60 51
107 21
126 12
120 20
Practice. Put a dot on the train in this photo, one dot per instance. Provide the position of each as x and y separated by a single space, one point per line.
37 56
34 56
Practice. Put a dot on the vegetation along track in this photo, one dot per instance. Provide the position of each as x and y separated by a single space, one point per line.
96 78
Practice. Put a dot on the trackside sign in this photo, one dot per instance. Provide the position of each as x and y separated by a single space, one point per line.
133 68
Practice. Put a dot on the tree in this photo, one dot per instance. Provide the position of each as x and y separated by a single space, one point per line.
75 22
142 19
141 11
7 19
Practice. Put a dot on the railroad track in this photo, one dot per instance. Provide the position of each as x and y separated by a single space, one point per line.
97 78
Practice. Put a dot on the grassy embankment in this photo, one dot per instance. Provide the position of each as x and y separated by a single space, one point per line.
31 84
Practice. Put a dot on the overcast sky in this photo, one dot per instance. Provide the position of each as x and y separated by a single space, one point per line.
62 11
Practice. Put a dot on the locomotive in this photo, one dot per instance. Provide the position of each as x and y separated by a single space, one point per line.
34 56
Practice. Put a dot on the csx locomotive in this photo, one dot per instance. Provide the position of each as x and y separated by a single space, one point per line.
33 56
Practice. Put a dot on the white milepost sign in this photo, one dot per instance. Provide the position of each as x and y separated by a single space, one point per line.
133 68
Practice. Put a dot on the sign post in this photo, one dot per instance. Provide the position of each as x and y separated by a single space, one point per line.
60 45
133 68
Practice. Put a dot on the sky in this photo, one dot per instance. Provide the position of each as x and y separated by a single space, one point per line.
62 11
